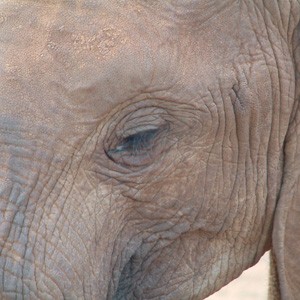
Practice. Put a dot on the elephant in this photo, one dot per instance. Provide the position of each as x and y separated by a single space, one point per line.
149 149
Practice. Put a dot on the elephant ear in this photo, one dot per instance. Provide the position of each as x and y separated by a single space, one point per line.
286 229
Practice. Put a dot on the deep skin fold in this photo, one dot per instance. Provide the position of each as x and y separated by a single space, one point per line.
77 224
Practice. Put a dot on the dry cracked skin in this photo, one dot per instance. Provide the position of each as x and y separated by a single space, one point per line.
149 149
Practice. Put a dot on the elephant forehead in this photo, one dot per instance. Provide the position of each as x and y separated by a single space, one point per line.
51 49
32 27
40 46
63 61
75 35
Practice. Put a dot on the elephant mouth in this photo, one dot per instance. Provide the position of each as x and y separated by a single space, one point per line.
126 270
142 272
130 281
125 284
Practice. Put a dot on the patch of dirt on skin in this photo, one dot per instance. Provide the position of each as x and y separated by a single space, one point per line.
251 285
101 44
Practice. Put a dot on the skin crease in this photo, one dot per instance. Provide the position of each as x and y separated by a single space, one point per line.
78 220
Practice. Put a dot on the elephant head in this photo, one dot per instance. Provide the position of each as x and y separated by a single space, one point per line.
149 149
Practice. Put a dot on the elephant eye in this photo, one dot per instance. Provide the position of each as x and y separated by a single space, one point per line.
136 149
136 143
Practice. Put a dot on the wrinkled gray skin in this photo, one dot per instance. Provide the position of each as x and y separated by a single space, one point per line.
148 148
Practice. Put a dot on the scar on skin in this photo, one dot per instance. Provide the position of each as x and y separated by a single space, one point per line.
101 44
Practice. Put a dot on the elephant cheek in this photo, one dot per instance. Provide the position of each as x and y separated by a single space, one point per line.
24 173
